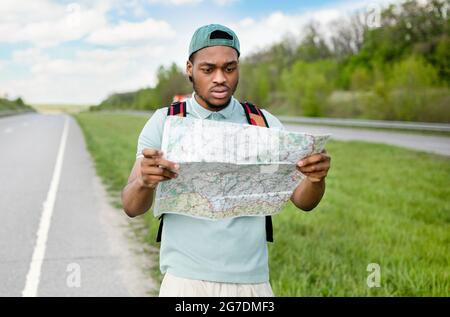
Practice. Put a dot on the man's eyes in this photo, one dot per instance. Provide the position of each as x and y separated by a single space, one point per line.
209 70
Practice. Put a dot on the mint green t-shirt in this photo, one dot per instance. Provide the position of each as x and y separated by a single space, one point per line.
227 250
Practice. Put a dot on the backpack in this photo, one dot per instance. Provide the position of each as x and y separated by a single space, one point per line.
254 117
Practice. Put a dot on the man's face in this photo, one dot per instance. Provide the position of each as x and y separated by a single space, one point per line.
215 75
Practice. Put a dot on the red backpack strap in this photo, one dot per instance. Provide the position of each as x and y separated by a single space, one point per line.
177 109
256 117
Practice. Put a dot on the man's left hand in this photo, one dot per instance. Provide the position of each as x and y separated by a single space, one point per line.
315 167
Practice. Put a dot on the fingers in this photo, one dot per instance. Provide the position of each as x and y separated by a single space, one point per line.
321 166
315 158
160 162
312 159
315 167
150 153
153 157
318 175
151 181
154 170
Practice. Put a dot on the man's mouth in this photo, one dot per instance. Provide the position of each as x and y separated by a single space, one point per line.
219 93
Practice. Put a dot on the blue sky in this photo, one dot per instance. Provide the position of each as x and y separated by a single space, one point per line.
81 51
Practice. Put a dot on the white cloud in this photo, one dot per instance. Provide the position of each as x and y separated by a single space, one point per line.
124 53
44 23
100 62
174 2
256 34
128 32
88 77
30 11
29 56
190 2
225 2
134 7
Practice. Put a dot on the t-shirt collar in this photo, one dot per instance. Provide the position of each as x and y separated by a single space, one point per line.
205 113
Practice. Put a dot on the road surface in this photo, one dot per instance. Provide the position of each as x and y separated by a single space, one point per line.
58 234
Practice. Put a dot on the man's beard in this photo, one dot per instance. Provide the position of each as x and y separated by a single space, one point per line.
210 105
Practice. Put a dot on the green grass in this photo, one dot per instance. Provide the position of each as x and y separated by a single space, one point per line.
382 205
9 107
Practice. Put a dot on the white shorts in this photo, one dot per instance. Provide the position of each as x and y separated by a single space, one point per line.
173 286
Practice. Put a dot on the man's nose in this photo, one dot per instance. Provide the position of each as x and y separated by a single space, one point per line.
219 77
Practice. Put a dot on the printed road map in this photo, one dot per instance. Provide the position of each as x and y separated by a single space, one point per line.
229 169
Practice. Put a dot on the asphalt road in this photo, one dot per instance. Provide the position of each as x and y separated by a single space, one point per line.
58 234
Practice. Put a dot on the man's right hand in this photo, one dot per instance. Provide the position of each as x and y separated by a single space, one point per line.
155 169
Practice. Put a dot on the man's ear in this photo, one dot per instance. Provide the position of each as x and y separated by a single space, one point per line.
189 67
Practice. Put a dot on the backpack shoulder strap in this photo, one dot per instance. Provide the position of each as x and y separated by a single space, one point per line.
158 235
177 109
254 115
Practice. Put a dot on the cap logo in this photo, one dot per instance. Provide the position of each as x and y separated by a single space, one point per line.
218 34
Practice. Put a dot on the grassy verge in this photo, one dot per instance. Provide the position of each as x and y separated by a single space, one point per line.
383 205
12 107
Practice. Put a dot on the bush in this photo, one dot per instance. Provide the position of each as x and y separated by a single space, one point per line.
308 85
15 105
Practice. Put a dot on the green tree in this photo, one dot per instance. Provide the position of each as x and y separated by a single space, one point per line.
171 81
308 85
313 46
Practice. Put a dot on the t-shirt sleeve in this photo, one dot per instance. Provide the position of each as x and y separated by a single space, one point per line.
151 134
272 121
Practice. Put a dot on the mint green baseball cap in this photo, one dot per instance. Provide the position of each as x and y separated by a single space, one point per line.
213 35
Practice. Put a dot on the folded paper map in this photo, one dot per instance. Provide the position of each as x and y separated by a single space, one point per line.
229 169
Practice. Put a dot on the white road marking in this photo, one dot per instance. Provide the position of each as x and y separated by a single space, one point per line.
34 272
